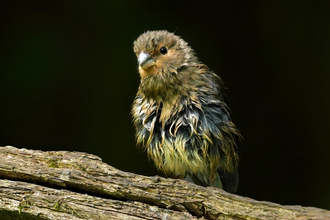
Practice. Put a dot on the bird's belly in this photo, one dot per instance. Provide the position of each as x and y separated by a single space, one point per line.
172 157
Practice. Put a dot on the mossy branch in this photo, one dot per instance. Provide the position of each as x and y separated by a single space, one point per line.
73 185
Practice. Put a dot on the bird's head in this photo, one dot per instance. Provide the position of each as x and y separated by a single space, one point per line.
160 53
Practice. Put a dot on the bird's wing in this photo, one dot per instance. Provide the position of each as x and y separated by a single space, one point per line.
227 181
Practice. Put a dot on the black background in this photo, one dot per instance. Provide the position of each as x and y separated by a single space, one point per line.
69 75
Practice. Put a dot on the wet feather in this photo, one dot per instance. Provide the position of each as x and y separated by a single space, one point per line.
180 113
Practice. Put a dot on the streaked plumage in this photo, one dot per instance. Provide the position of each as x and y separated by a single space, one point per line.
181 115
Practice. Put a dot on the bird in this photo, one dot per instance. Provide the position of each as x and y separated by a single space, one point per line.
181 114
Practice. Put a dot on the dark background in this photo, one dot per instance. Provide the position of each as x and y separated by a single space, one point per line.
69 75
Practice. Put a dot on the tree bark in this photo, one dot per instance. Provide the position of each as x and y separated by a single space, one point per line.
38 184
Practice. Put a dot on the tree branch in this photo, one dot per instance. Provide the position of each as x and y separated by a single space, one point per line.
38 184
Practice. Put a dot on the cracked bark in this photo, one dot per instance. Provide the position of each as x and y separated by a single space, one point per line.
38 184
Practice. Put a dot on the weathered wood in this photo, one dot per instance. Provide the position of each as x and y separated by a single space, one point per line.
39 202
73 185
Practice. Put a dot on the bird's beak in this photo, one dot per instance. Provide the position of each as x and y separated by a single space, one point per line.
145 60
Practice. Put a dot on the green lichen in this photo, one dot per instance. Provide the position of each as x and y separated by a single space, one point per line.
53 162
24 204
61 206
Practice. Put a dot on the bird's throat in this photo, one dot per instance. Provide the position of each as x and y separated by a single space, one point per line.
146 72
159 89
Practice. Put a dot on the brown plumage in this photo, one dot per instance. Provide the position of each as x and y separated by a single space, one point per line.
181 115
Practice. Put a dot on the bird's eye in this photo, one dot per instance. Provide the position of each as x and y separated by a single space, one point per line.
163 50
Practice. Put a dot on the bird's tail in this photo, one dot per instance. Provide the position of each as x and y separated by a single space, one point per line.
223 180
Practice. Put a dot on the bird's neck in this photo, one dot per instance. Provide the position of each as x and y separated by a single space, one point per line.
171 85
161 90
